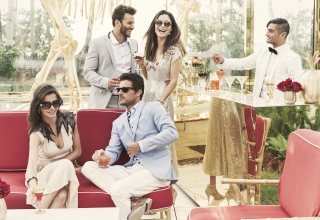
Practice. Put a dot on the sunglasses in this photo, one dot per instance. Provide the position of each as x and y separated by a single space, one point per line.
166 23
124 89
47 105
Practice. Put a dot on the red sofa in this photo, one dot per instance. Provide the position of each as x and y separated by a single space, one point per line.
94 128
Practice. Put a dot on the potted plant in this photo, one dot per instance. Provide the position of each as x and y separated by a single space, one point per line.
290 89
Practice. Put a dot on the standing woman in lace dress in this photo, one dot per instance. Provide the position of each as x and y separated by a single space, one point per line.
161 64
53 143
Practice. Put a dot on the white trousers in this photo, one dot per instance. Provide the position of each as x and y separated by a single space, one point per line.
122 183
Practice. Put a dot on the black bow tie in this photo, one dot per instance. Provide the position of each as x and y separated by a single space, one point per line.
273 50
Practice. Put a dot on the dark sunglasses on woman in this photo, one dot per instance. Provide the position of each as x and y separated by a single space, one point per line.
124 89
47 105
166 23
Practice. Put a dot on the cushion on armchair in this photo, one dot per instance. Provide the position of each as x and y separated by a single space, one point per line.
14 144
95 127
299 187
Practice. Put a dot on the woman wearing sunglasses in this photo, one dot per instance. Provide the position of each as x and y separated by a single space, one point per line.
161 64
53 143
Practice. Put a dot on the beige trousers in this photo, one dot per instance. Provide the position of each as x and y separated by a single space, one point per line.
122 183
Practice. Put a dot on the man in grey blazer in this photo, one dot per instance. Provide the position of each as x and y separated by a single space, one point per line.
273 64
108 57
144 131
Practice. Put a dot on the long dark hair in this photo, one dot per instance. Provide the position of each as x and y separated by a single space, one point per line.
172 39
34 117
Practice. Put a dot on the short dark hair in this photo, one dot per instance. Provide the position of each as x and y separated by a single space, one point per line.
282 25
136 80
120 10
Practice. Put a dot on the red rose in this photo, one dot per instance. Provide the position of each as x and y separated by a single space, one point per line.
280 86
288 84
297 87
4 189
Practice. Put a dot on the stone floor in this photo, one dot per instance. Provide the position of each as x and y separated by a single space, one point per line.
190 187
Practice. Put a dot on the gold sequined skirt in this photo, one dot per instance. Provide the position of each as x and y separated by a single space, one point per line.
224 152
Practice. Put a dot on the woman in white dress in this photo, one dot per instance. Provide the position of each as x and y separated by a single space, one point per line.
53 143
161 64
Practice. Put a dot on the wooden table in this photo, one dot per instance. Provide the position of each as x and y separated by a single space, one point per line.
65 214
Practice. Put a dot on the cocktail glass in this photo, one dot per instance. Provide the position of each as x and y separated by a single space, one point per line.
242 79
220 74
270 90
229 80
195 81
38 192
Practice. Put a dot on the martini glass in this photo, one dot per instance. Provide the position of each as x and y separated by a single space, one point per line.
242 79
229 80
220 74
38 192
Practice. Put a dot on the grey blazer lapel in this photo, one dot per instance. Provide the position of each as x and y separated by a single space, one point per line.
109 48
133 50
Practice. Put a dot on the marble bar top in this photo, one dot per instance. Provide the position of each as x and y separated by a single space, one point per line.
248 99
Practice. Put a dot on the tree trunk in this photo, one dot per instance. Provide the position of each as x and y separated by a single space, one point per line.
218 23
0 25
10 25
32 30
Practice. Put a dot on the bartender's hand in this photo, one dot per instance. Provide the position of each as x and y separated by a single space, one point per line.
133 149
217 58
114 82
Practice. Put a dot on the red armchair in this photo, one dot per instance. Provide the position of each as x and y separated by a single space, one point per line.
298 190
95 130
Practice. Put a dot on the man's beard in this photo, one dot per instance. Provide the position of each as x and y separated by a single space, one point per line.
123 30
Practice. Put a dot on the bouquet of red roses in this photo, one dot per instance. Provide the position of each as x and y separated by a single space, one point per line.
4 189
289 85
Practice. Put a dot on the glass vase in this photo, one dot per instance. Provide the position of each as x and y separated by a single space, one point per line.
3 209
290 97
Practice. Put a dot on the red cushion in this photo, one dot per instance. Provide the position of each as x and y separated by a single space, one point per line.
91 196
14 140
95 127
299 187
260 133
161 198
17 197
237 212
